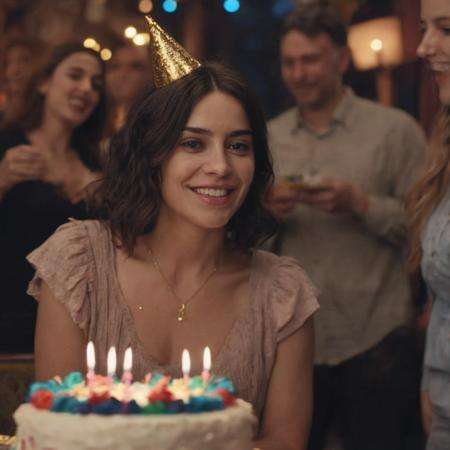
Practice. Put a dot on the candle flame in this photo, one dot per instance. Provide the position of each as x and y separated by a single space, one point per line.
90 351
128 360
185 362
207 359
112 362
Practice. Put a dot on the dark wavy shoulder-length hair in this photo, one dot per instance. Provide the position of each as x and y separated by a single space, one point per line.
128 199
86 137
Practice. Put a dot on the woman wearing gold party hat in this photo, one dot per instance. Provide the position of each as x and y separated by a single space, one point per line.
170 263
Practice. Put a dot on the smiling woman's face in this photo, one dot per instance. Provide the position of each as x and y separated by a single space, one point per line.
435 45
73 90
208 175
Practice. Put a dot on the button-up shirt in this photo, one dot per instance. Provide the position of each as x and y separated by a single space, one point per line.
356 261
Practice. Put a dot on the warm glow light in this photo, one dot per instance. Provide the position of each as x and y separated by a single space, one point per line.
90 352
105 54
128 360
207 359
96 47
112 362
141 39
145 6
90 42
376 45
130 32
185 363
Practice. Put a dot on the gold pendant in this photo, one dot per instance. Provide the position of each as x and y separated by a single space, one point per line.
181 313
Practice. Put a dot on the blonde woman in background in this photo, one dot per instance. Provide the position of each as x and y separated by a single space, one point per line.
429 206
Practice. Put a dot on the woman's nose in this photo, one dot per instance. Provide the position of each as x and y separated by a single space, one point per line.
427 46
86 84
217 163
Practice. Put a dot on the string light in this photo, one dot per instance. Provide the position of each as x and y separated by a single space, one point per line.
130 32
145 6
170 6
90 42
231 6
105 54
141 39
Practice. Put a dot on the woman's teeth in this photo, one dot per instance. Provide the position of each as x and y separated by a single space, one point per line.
77 103
440 67
212 192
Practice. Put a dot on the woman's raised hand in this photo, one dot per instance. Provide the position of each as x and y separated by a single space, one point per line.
19 164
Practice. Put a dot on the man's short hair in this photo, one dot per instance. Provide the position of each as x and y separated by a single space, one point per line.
313 20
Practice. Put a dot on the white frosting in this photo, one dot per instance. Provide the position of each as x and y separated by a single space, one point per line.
229 429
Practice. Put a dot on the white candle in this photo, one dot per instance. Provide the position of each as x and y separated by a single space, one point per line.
127 377
112 363
90 356
185 364
206 364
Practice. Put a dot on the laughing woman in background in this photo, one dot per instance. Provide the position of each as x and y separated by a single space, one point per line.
46 161
429 205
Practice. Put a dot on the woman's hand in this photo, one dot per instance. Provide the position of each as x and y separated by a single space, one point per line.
425 405
19 164
282 200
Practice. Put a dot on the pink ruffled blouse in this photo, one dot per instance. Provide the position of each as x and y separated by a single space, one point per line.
78 264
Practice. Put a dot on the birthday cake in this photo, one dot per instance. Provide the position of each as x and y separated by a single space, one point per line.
157 414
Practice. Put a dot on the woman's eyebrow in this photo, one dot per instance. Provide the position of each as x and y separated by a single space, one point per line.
240 133
235 133
198 130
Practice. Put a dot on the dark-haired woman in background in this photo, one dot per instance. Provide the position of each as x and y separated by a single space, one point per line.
47 158
171 264
429 207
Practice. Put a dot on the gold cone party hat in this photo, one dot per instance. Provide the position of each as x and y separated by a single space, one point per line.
170 60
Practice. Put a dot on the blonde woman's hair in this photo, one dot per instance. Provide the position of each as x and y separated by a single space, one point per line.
426 194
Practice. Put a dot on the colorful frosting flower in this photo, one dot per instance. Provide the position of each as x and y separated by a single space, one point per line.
42 399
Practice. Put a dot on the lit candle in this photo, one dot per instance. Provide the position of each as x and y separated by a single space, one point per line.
206 364
111 363
90 354
127 377
185 365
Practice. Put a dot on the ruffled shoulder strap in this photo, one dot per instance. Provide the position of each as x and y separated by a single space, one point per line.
291 294
66 263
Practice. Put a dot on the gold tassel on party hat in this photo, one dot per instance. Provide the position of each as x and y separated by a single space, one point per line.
170 60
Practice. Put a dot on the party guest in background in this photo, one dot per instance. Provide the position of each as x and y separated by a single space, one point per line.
129 72
19 55
429 206
47 158
171 262
344 164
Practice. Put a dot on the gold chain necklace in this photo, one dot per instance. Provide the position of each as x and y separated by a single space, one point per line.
182 310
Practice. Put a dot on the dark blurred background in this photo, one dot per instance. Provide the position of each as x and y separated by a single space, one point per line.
240 32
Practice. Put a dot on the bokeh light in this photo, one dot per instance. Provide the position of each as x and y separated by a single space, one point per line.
105 54
231 6
170 6
376 45
130 32
145 6
141 39
90 42
282 7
